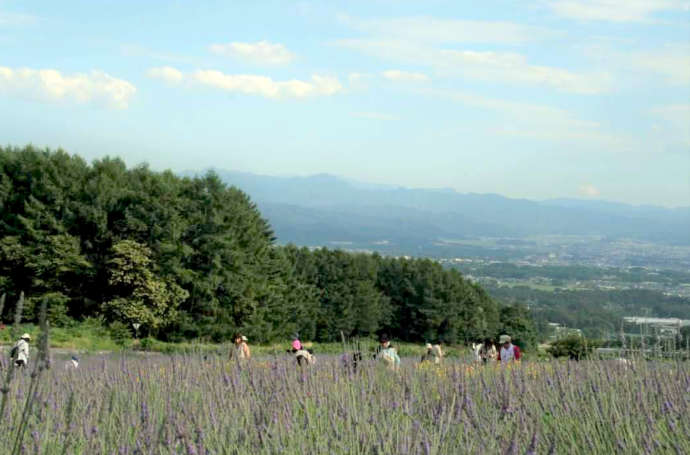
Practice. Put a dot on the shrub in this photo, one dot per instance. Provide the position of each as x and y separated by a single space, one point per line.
57 309
574 347
120 333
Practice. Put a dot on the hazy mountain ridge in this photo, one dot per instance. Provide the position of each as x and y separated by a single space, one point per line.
323 208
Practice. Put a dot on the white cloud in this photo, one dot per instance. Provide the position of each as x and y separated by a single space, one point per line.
95 87
166 73
405 76
265 86
251 84
261 52
434 30
615 10
482 65
589 190
374 116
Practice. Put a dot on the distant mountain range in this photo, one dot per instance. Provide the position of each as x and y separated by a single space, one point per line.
327 210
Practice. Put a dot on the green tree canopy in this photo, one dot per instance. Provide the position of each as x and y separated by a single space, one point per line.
193 258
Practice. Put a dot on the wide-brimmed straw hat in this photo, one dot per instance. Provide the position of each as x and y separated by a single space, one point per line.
504 339
26 336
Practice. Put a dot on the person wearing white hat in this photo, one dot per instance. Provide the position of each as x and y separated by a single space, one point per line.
241 350
20 351
508 352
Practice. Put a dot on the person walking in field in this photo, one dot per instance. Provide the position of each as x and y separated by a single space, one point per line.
303 355
487 352
476 347
240 350
387 353
72 363
509 352
437 352
20 351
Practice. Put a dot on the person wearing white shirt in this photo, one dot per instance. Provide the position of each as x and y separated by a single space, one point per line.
21 351
508 352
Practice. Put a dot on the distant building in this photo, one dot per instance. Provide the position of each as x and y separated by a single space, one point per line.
647 326
560 331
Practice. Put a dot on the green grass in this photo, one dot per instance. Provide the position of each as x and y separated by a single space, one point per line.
86 336
90 337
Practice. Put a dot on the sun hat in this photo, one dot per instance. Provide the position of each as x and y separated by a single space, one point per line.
26 336
428 345
505 339
244 338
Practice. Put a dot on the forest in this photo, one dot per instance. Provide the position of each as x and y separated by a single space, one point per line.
191 258
597 312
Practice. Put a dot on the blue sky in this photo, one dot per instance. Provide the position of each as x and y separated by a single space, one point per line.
537 99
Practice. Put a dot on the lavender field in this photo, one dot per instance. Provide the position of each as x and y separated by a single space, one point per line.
190 405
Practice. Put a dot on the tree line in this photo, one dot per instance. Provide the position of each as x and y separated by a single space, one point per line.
192 258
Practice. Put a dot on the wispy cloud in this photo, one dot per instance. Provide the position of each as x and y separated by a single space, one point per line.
615 10
435 30
166 73
51 85
482 65
8 19
251 84
671 62
537 121
404 76
374 115
261 52
676 123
